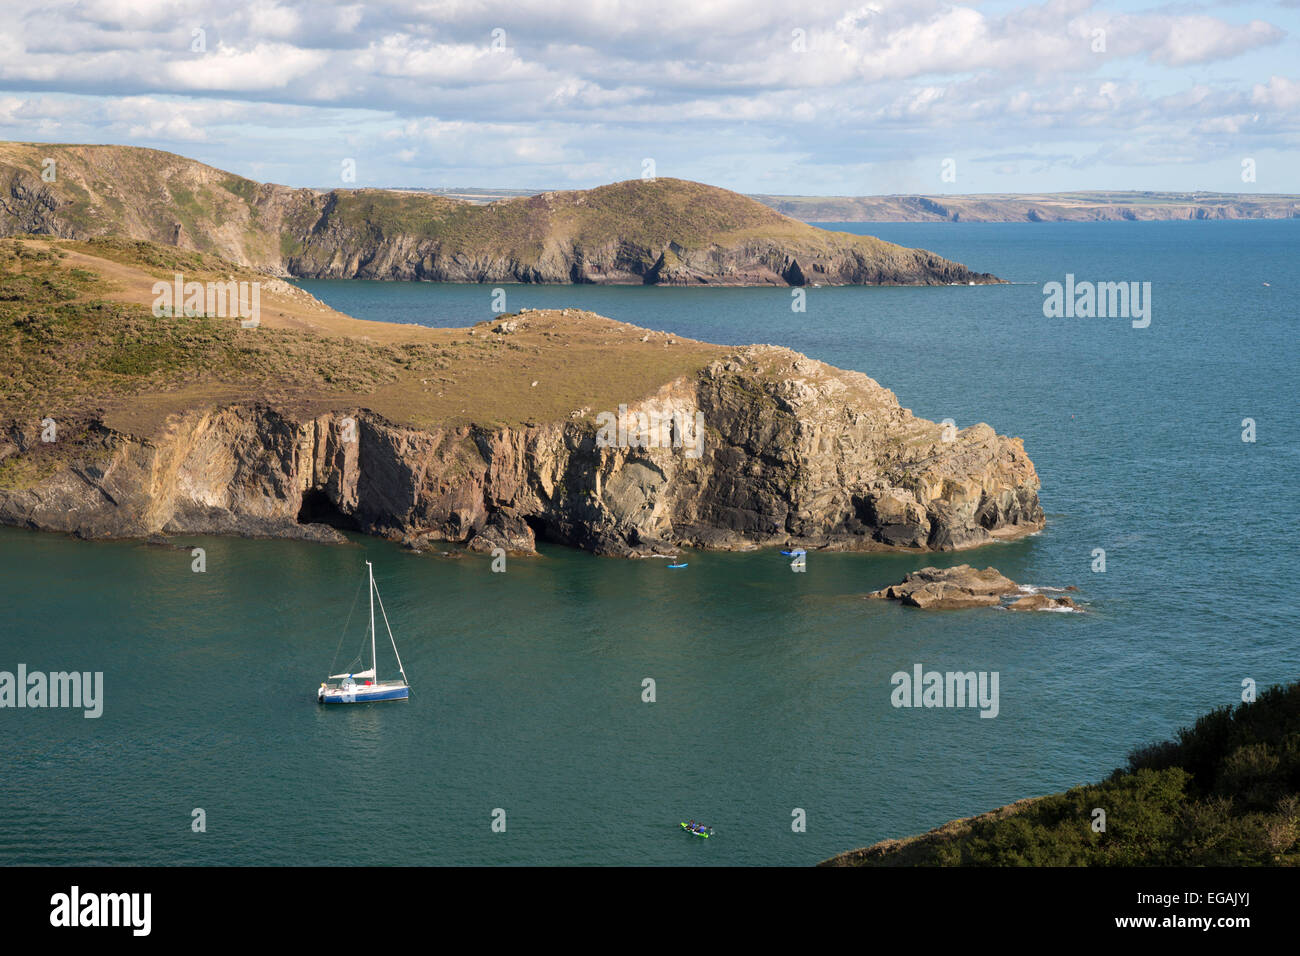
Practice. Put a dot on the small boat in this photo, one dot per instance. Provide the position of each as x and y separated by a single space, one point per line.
674 567
362 687
699 830
794 552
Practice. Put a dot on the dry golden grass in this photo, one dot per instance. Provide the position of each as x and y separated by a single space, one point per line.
76 325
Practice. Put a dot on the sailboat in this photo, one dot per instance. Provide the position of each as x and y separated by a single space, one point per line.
362 687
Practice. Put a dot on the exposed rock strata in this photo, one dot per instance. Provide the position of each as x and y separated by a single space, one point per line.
794 451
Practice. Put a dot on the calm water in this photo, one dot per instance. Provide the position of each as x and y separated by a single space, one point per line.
772 687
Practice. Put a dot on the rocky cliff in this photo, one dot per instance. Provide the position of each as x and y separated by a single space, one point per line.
662 231
792 450
115 421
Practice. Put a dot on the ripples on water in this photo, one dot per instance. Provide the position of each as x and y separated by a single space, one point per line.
773 688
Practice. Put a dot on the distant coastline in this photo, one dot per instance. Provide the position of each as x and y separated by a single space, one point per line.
1086 206
1045 207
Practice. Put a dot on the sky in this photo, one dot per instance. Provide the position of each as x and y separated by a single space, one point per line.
816 97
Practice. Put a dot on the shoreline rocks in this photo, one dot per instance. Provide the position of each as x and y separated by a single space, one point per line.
962 586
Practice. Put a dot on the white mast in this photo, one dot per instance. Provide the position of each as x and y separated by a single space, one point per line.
374 662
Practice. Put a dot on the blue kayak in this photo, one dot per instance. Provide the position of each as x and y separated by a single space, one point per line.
795 553
674 567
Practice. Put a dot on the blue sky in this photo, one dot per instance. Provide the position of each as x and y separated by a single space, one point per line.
881 96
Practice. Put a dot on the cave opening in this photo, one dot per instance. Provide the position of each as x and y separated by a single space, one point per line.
540 528
317 508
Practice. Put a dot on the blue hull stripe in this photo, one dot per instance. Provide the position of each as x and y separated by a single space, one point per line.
365 697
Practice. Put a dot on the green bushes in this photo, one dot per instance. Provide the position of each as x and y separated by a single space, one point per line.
1225 792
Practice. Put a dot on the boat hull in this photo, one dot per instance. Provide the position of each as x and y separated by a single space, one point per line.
363 693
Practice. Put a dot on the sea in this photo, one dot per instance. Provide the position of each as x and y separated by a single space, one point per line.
574 710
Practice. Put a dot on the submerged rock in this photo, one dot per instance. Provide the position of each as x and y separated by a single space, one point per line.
1041 602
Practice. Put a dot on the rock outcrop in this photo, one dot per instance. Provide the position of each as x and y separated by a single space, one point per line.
950 588
943 589
791 451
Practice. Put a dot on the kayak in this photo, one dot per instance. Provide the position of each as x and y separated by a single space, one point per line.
795 553
706 832
674 567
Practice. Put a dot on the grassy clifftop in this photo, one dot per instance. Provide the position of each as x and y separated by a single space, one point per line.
1225 792
658 231
78 336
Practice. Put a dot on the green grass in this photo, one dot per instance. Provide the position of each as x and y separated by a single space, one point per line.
245 189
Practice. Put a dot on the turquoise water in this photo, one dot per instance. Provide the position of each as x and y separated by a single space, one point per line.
772 687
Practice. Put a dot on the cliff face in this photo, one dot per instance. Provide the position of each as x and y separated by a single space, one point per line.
791 450
330 254
663 231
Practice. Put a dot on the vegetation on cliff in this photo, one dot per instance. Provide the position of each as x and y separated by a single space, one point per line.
662 231
78 336
1224 792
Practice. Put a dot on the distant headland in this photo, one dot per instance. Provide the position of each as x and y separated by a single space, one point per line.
1097 206
639 232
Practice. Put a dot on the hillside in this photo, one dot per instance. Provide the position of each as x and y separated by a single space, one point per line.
665 231
1226 792
1047 207
177 423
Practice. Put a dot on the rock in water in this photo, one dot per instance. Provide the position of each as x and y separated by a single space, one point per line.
949 588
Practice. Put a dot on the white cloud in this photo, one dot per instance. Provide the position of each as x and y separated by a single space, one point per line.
595 84
1279 93
266 67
